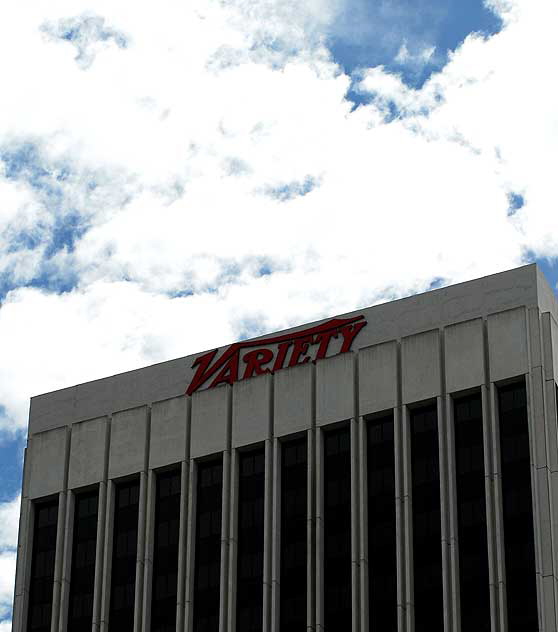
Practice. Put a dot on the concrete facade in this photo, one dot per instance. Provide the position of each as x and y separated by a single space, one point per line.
472 336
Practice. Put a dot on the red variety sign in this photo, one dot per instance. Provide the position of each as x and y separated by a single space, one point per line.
227 370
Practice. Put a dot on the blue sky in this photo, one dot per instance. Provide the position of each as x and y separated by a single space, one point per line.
372 33
172 181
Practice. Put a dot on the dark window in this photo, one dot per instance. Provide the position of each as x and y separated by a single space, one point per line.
82 581
382 551
427 538
165 552
124 555
518 510
471 514
208 545
42 566
251 488
337 529
294 468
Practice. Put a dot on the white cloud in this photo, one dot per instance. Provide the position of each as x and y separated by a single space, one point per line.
9 521
419 58
9 518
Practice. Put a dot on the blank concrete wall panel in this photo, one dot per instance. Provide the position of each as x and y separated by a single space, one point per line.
293 400
209 421
251 416
464 355
46 460
335 388
168 432
377 377
554 346
87 453
507 344
420 366
128 442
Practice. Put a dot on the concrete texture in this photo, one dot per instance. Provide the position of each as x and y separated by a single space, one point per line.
210 414
251 410
128 442
377 375
464 357
293 400
87 454
421 371
46 462
169 431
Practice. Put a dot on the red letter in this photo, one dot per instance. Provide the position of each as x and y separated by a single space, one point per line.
254 361
281 355
349 334
202 373
300 348
229 373
324 340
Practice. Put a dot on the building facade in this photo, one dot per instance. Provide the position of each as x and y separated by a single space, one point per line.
393 469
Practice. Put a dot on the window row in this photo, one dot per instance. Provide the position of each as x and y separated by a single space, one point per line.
382 531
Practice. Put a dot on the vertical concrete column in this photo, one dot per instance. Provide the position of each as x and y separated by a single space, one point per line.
400 518
355 526
233 542
549 331
311 530
490 485
144 520
490 508
540 433
182 545
444 510
276 538
24 553
67 561
190 548
148 553
407 520
363 521
102 535
453 544
225 521
142 524
319 531
107 557
268 531
63 547
498 511
99 551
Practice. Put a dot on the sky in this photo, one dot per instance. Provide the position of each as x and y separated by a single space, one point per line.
176 176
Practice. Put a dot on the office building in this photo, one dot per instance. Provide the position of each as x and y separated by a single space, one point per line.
391 469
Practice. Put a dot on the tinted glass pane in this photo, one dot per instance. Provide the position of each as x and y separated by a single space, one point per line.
251 487
82 582
208 546
427 537
165 552
124 554
42 566
381 525
294 469
471 515
337 530
518 509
